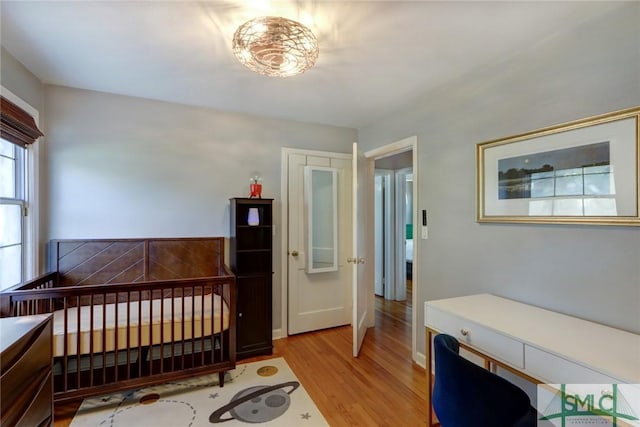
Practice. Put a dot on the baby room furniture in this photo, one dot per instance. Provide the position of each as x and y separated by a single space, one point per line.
129 313
251 260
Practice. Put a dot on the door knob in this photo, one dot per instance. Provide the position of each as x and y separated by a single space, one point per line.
360 261
294 253
351 260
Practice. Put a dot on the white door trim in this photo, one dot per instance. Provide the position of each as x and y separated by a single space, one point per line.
407 144
284 220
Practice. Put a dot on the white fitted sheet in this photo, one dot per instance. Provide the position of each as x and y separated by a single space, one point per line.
154 330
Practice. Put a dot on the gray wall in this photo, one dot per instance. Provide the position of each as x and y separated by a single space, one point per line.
15 77
592 272
127 167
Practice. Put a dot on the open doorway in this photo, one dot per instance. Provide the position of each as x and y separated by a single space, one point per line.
393 171
393 199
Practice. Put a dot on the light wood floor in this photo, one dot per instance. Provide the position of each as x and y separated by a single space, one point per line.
382 387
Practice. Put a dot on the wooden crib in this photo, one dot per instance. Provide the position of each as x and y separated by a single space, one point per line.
132 312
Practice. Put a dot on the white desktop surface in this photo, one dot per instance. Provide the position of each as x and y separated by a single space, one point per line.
612 351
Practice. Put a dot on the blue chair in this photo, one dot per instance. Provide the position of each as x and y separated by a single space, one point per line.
467 395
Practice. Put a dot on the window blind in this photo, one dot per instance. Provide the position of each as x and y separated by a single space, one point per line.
16 125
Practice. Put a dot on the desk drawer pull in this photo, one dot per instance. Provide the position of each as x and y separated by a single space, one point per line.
464 332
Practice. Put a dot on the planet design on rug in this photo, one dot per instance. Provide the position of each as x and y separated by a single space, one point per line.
257 404
267 371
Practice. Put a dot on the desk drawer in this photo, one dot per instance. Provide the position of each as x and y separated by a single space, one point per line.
482 338
26 389
39 412
35 357
556 370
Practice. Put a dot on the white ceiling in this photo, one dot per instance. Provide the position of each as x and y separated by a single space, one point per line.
375 56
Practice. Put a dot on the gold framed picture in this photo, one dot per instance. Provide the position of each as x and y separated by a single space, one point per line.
581 172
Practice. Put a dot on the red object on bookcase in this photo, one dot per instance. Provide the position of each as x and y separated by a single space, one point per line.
256 191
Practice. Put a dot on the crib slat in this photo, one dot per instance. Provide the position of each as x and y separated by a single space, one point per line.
213 324
193 324
128 331
161 332
149 350
139 334
173 328
184 332
221 333
104 338
78 336
222 320
212 338
115 336
65 343
91 329
202 347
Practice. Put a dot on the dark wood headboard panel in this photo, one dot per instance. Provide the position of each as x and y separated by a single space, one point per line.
101 261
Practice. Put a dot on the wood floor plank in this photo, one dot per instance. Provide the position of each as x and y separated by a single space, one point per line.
381 387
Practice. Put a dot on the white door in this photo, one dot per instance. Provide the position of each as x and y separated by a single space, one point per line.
361 295
379 193
317 300
404 207
384 214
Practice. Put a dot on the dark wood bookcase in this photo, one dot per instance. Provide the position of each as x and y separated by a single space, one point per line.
251 259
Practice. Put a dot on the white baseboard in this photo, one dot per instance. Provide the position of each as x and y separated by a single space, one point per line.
421 359
276 334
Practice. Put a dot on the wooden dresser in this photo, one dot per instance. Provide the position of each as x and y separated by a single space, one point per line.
25 368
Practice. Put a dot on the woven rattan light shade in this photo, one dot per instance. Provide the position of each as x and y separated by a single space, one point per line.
275 46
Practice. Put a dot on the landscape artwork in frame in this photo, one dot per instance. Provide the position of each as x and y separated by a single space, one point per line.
582 172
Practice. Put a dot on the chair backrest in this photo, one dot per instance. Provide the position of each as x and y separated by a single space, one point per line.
466 394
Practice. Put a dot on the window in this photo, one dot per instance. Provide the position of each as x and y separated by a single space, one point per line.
13 205
18 194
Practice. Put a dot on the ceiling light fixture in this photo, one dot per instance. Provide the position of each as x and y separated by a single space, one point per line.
275 47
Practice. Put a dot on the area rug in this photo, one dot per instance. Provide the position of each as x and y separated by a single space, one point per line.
265 392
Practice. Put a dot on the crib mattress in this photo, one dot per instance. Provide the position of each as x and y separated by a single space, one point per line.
159 321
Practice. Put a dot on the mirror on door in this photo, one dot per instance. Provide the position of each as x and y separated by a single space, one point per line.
321 203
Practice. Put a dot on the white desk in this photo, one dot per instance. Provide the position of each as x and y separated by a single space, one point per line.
540 345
